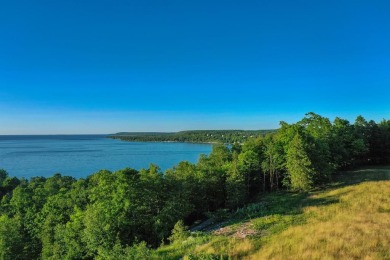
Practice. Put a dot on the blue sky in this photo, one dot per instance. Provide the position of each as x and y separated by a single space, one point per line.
110 66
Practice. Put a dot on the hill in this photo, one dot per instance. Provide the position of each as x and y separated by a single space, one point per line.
350 219
277 196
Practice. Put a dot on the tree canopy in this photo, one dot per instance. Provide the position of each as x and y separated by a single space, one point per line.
120 215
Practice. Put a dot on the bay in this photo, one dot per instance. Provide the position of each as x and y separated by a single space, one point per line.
81 155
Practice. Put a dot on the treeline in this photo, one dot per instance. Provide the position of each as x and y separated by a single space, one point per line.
119 215
194 136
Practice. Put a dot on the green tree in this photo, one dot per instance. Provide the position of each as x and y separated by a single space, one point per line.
11 239
341 143
360 145
384 127
3 176
250 167
184 185
212 172
179 232
236 190
273 161
299 165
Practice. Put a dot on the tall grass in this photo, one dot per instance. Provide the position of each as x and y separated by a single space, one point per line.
356 226
350 220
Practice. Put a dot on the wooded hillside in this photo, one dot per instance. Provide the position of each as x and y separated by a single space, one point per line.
119 215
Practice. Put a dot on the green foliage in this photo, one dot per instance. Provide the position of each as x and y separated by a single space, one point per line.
250 211
305 222
179 232
118 252
236 190
11 238
299 165
123 214
273 160
196 136
3 176
276 223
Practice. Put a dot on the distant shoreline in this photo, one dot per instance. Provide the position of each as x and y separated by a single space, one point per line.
187 142
55 135
193 136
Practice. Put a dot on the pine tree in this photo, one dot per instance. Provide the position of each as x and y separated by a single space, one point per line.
179 232
299 165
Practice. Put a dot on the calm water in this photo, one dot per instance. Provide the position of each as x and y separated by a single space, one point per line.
82 155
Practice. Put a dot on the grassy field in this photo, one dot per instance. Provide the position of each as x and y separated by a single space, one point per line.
350 219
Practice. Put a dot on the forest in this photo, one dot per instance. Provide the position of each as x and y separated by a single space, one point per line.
125 214
193 136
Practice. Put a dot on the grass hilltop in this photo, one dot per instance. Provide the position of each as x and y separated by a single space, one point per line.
350 219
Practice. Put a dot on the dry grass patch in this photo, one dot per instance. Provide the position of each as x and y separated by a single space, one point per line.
351 220
241 231
356 225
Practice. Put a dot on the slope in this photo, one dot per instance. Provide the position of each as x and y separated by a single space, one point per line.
349 219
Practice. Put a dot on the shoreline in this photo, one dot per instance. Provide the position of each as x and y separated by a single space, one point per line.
189 142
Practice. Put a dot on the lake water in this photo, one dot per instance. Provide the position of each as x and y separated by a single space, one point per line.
82 155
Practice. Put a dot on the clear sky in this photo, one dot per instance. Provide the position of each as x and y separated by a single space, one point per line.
109 66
